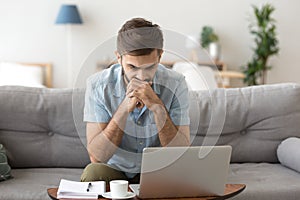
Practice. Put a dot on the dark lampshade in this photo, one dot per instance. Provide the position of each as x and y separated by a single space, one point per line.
68 14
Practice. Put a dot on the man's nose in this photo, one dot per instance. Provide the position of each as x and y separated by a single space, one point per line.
142 75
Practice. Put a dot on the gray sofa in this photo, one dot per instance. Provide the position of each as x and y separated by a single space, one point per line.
45 140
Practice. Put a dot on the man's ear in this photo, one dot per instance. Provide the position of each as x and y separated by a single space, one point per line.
160 52
118 57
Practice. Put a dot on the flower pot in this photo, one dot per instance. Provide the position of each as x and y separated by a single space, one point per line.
214 50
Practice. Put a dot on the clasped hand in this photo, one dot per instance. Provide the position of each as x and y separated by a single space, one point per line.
140 93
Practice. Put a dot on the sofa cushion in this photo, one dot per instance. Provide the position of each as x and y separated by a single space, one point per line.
265 181
38 129
33 183
253 120
288 153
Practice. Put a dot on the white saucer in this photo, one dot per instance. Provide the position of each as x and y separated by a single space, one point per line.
108 195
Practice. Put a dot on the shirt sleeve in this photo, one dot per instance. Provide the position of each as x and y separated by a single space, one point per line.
94 108
179 110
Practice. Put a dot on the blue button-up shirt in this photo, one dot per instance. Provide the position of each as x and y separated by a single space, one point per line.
105 92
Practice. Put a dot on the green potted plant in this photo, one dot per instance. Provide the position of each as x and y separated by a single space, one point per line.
266 45
209 40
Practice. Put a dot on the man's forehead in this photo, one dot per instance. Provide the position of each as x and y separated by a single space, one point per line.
143 61
144 65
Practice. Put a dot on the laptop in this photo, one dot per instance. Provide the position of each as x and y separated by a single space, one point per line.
173 172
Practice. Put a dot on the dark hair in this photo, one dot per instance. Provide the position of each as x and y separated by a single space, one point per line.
139 37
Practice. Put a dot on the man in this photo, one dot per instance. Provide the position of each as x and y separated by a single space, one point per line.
134 104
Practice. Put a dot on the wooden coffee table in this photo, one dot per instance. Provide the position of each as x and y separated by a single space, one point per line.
230 191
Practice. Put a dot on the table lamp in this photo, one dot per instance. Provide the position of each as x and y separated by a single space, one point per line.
68 14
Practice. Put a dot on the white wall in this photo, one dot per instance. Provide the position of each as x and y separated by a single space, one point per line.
28 32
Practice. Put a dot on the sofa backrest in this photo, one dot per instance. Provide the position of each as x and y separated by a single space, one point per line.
253 120
39 128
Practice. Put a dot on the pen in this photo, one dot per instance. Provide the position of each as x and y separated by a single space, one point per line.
89 186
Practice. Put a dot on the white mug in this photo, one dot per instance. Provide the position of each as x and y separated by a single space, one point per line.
118 188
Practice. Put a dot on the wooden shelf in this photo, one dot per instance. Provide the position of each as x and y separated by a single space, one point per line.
220 65
223 76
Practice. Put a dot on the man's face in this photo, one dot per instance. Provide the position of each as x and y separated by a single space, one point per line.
140 67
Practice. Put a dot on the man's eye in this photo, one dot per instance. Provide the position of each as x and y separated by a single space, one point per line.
132 67
151 67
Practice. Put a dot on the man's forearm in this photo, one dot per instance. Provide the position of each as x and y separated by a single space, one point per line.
104 144
169 135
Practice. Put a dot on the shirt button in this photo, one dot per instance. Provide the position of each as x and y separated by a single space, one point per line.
139 122
141 142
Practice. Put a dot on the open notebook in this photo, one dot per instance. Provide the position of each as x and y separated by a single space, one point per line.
80 190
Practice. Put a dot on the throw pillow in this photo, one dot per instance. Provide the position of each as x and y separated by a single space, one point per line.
4 167
18 74
288 153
